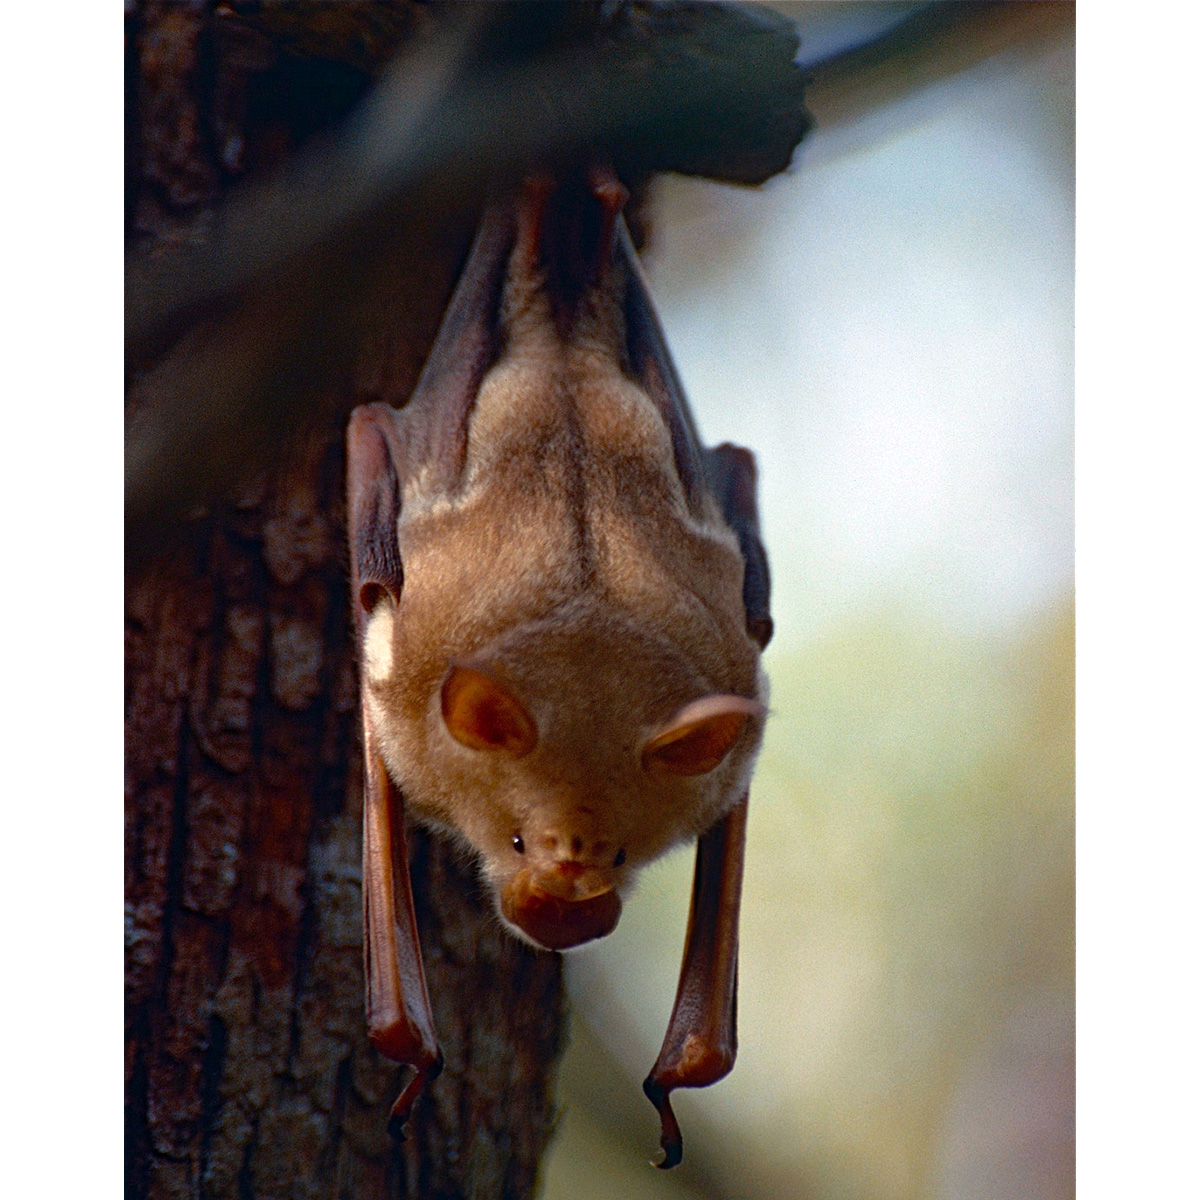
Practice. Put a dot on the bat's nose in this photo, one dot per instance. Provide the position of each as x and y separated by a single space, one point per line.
570 849
572 841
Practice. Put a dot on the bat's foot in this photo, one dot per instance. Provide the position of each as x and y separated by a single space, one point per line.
395 1128
672 1137
403 1107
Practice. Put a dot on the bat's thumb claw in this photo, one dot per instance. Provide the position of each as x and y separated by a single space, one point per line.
672 1138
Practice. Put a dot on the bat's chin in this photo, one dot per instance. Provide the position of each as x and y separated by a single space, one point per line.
555 923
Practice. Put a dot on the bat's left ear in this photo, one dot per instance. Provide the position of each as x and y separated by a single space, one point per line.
699 735
483 714
373 498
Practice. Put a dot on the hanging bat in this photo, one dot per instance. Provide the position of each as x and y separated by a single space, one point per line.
561 599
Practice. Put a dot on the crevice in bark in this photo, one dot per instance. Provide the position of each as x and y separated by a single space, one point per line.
245 1177
213 1068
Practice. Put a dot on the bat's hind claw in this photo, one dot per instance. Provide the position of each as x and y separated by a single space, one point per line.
403 1107
671 1138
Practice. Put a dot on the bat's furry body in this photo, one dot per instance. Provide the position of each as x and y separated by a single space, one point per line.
559 644
569 562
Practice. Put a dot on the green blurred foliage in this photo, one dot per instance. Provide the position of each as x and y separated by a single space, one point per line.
908 913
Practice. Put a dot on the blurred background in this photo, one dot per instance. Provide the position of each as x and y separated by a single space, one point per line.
890 328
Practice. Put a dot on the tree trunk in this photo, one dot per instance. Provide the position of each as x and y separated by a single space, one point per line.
248 1072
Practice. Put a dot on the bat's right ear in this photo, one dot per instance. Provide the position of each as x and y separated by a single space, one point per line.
373 500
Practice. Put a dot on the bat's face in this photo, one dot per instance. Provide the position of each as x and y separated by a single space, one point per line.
568 752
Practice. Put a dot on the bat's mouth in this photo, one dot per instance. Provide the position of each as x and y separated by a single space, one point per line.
555 922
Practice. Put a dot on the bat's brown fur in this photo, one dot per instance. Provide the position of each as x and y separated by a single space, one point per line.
568 565
561 602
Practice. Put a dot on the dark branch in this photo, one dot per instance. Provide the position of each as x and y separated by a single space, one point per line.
263 314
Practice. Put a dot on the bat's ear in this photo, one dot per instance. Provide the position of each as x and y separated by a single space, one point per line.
485 715
699 735
373 499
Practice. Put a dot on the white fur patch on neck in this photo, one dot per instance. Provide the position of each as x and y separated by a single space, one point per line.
377 644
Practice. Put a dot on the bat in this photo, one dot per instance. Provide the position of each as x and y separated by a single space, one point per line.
560 599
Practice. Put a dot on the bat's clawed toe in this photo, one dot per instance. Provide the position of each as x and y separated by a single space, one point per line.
671 1138
402 1109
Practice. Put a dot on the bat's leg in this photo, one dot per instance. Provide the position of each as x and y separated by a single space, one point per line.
701 1042
385 447
728 472
399 1015
436 418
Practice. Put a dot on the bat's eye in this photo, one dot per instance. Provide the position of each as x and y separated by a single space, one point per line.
619 861
518 843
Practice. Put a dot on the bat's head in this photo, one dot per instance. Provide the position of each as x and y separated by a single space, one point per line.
569 753
560 849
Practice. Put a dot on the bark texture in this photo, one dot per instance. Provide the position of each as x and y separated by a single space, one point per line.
248 1072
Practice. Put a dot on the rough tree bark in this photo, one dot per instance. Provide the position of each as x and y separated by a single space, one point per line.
248 1072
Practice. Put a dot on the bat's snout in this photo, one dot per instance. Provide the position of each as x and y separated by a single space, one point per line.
564 906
